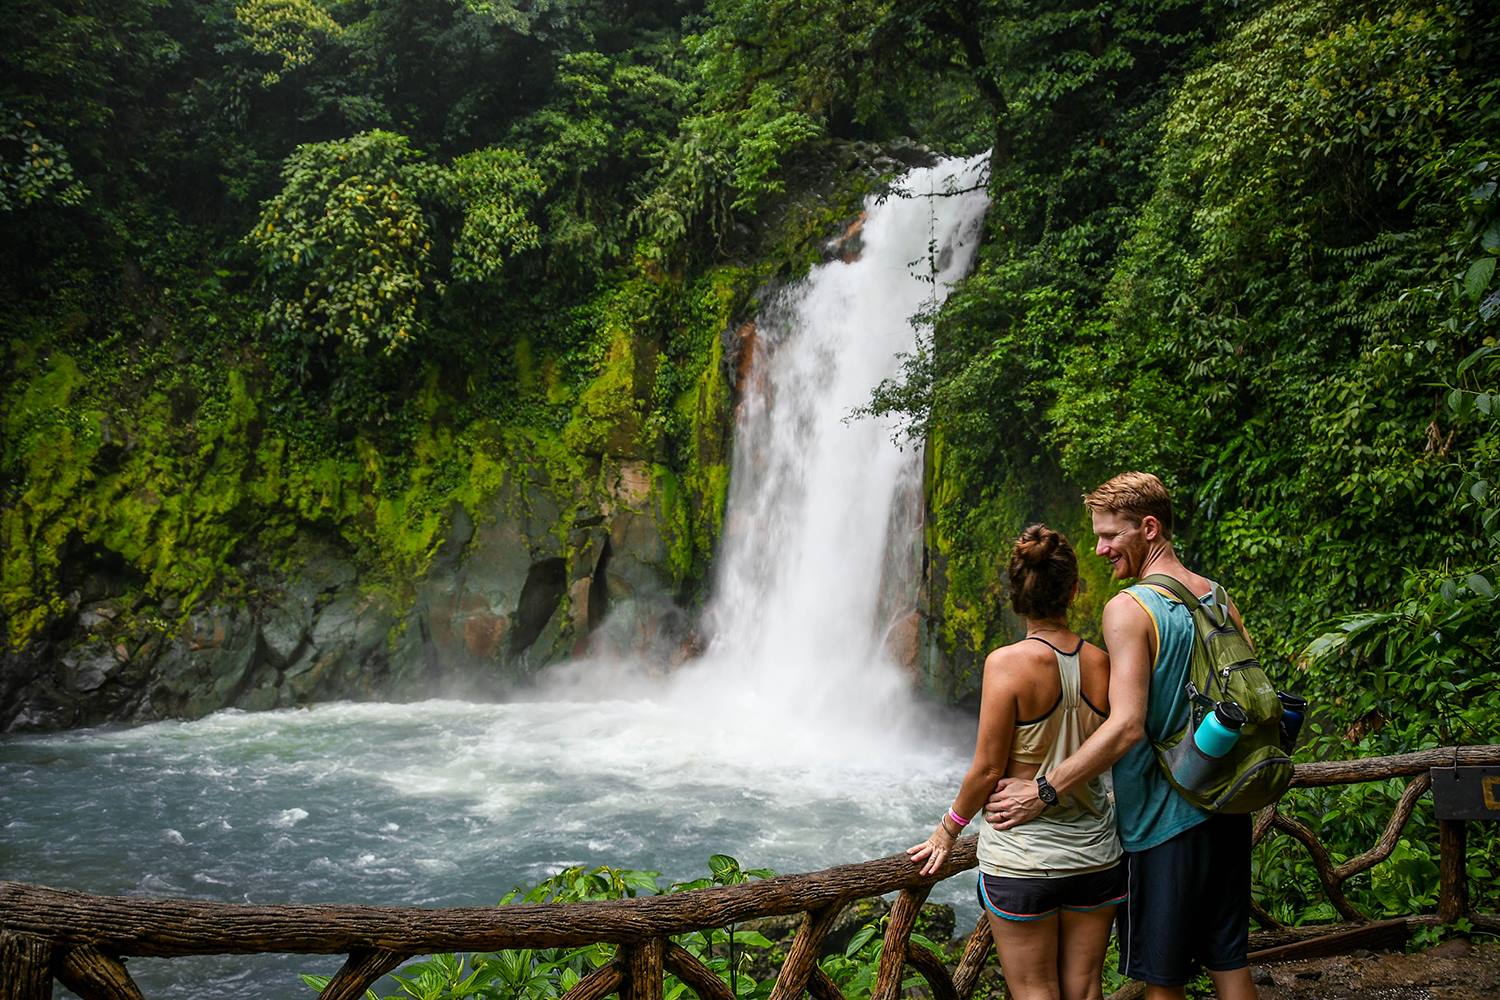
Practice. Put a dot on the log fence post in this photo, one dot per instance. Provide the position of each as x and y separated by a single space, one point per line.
802 957
360 972
699 978
600 983
644 978
25 966
822 986
1453 875
971 963
903 918
932 969
93 975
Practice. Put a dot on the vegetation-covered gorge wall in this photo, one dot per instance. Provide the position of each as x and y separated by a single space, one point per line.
176 550
1262 266
169 562
349 379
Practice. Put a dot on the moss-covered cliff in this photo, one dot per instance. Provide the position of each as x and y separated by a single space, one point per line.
184 534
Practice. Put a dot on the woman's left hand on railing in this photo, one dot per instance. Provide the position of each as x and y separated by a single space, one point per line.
934 850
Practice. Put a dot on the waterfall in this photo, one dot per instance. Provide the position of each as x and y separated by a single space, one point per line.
822 523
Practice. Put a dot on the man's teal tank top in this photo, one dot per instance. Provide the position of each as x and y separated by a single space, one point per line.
1149 809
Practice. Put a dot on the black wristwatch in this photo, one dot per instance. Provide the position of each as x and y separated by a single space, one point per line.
1045 791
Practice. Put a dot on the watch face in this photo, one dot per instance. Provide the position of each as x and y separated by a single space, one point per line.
1046 792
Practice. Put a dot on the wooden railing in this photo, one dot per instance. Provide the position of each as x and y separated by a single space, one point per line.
1358 930
82 940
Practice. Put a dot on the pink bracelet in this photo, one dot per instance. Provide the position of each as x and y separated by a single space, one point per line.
955 817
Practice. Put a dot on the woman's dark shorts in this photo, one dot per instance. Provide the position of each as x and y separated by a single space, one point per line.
1035 898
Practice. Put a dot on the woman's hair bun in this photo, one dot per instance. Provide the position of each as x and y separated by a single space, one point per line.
1043 570
1037 544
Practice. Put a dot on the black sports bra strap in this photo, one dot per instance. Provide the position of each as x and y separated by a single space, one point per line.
1065 652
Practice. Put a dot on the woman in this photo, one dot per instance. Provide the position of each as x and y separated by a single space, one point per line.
1050 886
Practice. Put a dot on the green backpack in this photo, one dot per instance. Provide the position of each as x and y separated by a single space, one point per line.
1257 769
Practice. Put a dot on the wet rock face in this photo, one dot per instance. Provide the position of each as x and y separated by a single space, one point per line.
522 584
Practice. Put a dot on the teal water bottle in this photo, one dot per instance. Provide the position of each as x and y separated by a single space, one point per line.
1195 761
1220 729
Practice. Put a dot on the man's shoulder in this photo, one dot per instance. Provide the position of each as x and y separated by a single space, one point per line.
1126 601
1125 613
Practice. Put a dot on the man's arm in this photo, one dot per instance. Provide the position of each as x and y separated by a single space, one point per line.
1127 634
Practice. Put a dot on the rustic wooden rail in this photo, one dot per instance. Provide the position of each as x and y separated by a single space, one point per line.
82 940
1453 885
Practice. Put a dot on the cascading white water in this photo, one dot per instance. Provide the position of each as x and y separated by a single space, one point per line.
796 621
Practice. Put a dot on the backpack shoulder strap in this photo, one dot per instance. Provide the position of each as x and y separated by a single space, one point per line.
1174 587
1217 612
1221 615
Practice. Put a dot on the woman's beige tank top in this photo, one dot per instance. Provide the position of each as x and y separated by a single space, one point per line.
1076 835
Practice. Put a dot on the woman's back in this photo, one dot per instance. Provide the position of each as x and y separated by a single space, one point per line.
1061 698
1036 672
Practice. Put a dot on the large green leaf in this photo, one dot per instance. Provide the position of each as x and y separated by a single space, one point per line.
1478 276
725 869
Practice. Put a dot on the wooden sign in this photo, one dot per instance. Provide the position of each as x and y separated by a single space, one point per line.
1466 792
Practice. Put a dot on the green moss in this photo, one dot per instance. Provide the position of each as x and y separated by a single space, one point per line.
605 420
673 520
525 360
161 498
52 447
171 456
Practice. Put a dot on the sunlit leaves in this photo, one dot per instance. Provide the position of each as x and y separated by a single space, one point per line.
347 244
495 188
353 248
288 30
521 17
33 167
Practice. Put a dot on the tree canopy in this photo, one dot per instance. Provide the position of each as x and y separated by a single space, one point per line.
1248 245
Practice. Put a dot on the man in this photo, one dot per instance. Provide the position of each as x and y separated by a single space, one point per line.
1189 899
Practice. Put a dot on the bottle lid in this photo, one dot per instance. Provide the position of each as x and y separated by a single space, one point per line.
1230 714
1291 701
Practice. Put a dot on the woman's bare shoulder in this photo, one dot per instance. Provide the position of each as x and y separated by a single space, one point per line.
1017 660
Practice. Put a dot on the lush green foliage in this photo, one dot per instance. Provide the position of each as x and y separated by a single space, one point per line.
1248 274
1265 272
283 265
348 246
392 241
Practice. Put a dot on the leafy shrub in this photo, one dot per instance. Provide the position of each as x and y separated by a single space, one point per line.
358 246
